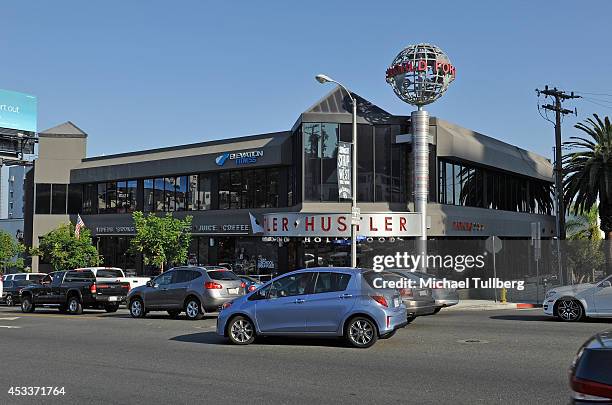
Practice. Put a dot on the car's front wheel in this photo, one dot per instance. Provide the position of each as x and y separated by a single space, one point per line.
361 332
569 310
241 331
27 305
9 300
137 308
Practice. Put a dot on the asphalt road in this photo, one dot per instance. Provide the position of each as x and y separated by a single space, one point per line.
522 358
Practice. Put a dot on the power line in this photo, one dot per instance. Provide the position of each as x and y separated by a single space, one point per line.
594 94
597 103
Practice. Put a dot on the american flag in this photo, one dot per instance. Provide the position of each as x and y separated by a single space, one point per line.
77 228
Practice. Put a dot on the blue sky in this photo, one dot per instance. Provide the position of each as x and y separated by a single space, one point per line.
145 74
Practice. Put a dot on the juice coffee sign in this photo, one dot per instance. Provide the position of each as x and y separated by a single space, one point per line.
339 225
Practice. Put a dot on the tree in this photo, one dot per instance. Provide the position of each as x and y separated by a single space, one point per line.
65 251
161 240
585 226
584 250
588 175
10 251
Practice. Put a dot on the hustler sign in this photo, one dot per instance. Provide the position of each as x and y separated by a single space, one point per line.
339 225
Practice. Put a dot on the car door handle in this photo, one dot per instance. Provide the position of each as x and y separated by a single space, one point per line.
299 301
346 296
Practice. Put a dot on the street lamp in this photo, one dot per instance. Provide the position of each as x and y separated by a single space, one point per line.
354 212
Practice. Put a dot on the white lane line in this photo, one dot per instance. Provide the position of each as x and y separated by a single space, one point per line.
10 327
9 319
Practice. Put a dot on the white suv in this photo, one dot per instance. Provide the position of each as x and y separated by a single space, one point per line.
573 302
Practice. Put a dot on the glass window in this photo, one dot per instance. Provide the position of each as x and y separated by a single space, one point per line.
80 275
149 194
185 276
235 189
272 188
75 198
312 166
58 277
330 282
111 197
329 165
159 194
222 275
297 284
121 196
170 188
102 273
205 192
181 193
194 197
43 198
382 160
224 190
130 202
164 279
365 163
18 277
58 198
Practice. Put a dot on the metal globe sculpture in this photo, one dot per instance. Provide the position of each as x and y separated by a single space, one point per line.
420 74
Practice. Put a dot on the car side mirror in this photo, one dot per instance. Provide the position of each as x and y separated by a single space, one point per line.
606 284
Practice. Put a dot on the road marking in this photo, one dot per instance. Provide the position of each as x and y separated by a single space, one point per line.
10 327
9 319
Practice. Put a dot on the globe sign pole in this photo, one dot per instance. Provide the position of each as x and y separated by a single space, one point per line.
419 75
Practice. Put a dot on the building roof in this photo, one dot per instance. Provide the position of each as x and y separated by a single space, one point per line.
64 130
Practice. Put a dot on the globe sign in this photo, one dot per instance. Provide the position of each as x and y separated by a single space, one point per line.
420 74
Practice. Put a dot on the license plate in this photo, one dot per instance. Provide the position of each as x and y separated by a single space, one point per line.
396 302
422 292
113 298
232 291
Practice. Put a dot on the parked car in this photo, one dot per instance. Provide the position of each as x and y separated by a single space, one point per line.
590 373
445 297
251 283
192 289
14 283
574 302
418 300
117 274
321 301
72 291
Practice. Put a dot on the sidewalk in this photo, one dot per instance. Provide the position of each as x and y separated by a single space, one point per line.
486 305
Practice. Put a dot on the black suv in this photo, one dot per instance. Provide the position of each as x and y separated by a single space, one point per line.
72 291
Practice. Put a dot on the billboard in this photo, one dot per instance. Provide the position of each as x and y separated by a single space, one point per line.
18 111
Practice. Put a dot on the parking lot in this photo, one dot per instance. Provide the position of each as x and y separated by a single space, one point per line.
461 356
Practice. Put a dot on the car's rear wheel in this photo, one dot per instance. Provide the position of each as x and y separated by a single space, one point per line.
193 309
410 318
241 331
174 313
361 332
137 308
9 300
111 307
75 307
27 305
569 310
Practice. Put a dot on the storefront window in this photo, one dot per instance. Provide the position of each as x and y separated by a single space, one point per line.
272 188
181 193
224 190
312 166
90 198
235 189
102 198
75 198
58 198
43 198
194 197
205 192
158 196
149 195
365 163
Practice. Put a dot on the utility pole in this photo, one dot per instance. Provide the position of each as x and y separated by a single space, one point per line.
559 96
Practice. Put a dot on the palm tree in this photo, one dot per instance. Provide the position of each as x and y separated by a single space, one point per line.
584 227
588 175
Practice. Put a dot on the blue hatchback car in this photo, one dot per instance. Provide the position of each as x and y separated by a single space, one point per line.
325 301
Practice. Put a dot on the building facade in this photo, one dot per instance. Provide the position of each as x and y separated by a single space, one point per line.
269 203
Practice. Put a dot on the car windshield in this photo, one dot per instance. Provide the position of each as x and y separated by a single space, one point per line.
222 275
109 273
602 278
36 277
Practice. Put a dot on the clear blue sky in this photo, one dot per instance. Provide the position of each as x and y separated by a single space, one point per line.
144 74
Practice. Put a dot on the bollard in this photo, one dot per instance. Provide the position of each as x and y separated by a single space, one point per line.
503 295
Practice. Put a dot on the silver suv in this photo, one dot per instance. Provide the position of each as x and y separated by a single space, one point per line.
194 290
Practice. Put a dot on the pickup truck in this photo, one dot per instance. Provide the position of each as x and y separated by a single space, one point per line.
73 290
116 274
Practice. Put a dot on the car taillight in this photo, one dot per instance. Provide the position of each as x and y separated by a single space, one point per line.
93 289
380 299
252 287
589 387
243 285
226 305
211 285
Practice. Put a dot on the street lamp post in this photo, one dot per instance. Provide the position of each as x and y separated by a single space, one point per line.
354 213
